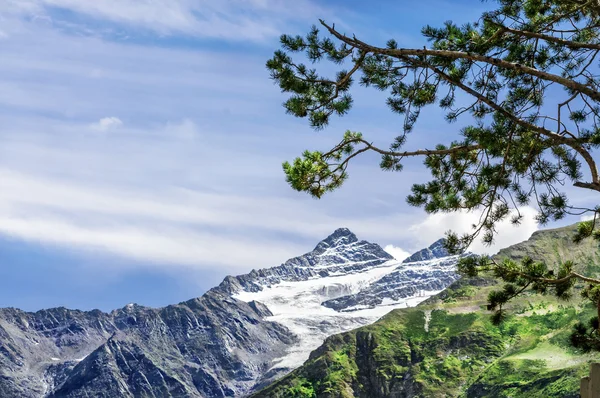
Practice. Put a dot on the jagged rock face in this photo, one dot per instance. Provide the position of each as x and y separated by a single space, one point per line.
436 250
429 270
340 253
344 297
408 280
236 338
183 350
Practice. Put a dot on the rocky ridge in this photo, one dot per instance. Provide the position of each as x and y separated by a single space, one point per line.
429 270
223 344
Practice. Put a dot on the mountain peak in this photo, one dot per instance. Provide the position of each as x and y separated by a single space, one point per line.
342 232
339 237
435 250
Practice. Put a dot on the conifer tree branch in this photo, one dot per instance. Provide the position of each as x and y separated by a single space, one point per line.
550 281
548 38
510 64
419 152
574 143
403 52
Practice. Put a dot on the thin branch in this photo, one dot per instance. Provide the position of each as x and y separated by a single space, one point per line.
419 152
548 38
549 281
403 52
573 143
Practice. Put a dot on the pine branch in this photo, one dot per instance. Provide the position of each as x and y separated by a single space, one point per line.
574 143
419 152
403 52
548 38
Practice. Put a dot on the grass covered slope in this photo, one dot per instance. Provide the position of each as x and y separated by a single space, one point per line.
447 346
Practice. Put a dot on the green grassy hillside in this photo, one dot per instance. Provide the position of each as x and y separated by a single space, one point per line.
447 346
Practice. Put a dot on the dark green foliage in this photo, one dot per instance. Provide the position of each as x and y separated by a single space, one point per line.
523 80
586 229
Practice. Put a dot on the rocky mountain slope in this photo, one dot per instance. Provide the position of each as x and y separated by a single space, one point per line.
447 346
235 338
180 350
411 279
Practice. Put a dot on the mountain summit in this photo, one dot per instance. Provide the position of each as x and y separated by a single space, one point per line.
237 337
339 253
436 250
341 236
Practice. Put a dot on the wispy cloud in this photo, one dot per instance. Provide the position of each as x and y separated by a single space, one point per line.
239 20
199 229
84 77
178 226
193 177
461 222
171 246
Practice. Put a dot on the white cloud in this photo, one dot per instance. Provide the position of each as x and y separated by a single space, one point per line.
240 20
586 217
96 73
85 77
169 224
461 222
176 226
187 228
153 245
42 196
107 123
397 252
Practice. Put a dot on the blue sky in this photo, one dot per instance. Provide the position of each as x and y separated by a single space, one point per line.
142 144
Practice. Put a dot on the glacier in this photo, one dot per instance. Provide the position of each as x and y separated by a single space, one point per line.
370 289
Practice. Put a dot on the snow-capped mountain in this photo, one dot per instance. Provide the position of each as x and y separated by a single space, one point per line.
341 253
357 283
238 336
436 250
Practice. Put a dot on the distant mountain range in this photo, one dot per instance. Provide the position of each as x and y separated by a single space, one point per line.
236 338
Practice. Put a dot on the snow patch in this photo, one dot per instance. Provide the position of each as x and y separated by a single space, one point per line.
297 305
